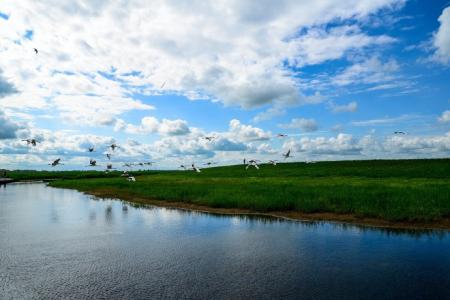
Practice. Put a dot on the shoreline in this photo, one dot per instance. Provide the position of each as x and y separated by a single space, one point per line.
286 215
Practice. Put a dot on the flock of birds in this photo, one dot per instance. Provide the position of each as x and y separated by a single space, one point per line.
109 167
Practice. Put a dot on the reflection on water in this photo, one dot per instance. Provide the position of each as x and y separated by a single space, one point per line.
57 243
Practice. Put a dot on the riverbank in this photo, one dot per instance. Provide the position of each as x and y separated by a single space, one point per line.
443 224
407 194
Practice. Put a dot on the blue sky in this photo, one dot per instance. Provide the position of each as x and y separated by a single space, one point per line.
338 78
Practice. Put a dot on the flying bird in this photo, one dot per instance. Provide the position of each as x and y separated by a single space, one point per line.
209 163
114 146
109 167
36 50
194 168
92 163
131 178
31 142
287 154
273 162
56 162
162 85
129 165
209 138
183 167
91 149
108 155
282 135
252 162
399 132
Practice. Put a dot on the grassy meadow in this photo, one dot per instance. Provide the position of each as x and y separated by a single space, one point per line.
392 190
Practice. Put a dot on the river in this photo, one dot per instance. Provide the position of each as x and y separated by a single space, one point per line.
58 243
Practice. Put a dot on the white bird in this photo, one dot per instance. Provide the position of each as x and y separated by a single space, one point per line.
252 162
125 174
56 162
31 141
273 162
131 178
287 154
194 168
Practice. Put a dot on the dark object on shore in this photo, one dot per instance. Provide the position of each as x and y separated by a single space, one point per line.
5 180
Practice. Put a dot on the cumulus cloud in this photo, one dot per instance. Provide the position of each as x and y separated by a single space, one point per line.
307 125
350 107
228 51
342 144
441 40
348 145
371 71
153 125
8 128
6 88
445 118
247 133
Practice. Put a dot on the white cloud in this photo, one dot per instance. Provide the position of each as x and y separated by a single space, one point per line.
153 125
445 118
247 133
8 128
441 40
6 88
307 125
350 107
370 71
342 144
228 51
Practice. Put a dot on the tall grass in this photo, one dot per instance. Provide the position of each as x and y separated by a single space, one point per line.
408 190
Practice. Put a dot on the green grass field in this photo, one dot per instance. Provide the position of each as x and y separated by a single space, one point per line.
393 190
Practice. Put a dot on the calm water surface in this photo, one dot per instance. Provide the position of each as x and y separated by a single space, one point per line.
57 243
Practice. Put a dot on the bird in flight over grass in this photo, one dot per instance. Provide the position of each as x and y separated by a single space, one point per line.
252 162
56 162
31 142
36 51
273 162
196 169
109 167
287 154
131 178
209 163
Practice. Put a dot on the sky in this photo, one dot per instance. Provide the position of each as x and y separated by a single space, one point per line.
339 78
